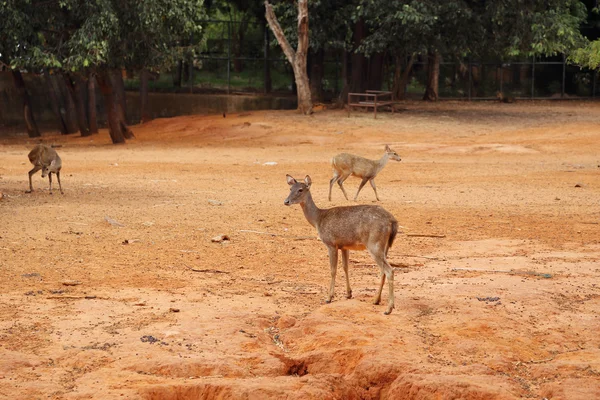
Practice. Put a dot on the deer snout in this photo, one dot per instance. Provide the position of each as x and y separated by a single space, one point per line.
287 202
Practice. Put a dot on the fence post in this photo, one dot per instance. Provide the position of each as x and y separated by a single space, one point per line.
502 78
470 78
228 56
562 90
532 75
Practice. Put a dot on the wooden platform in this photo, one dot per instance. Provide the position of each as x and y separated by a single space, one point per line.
371 98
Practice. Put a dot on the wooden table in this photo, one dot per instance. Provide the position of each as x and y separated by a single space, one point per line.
372 98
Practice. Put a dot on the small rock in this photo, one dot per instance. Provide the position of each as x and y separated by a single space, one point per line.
286 322
140 304
112 221
1 195
214 202
148 223
270 163
578 185
149 339
174 309
219 239
69 282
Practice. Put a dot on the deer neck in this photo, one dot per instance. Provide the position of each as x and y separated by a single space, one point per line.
311 211
382 161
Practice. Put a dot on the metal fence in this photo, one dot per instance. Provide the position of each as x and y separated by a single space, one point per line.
236 56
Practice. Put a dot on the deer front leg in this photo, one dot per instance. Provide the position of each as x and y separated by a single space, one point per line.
345 255
333 259
33 171
50 181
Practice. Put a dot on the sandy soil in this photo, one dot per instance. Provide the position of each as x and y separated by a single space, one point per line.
503 306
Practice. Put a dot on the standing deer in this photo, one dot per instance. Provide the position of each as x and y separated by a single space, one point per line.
349 228
45 158
345 164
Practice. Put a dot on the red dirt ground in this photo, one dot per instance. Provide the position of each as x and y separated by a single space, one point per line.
504 306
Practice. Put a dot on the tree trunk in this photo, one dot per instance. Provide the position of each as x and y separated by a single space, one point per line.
92 109
358 60
54 100
375 71
70 110
74 85
144 111
119 87
316 74
178 74
238 43
296 58
111 105
32 129
343 97
433 76
401 77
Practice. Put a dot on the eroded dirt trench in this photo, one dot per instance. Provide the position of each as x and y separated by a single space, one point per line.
496 267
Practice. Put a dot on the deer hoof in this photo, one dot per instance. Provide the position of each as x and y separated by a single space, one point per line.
328 301
376 301
28 191
349 295
387 312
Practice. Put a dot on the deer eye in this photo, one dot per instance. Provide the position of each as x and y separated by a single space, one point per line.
299 190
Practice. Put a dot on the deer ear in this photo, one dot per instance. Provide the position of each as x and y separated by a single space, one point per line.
387 148
308 181
290 180
52 163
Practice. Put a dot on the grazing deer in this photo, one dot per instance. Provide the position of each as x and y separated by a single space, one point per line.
45 158
345 164
349 228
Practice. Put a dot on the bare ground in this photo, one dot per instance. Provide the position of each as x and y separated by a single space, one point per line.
503 306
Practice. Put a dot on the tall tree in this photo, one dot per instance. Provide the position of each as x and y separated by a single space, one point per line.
16 34
296 58
98 37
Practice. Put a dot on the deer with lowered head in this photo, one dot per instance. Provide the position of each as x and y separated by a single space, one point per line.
361 227
345 164
45 158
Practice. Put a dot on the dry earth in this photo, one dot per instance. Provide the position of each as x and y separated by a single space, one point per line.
503 306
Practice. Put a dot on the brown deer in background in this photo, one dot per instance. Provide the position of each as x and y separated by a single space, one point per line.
45 158
345 164
362 227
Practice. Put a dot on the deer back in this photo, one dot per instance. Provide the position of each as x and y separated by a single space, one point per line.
352 226
354 165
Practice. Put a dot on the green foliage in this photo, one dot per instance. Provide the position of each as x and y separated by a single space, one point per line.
81 35
587 56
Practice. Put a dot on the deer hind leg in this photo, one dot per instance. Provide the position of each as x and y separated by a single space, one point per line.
372 182
362 184
345 256
333 260
341 181
33 171
378 254
332 182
